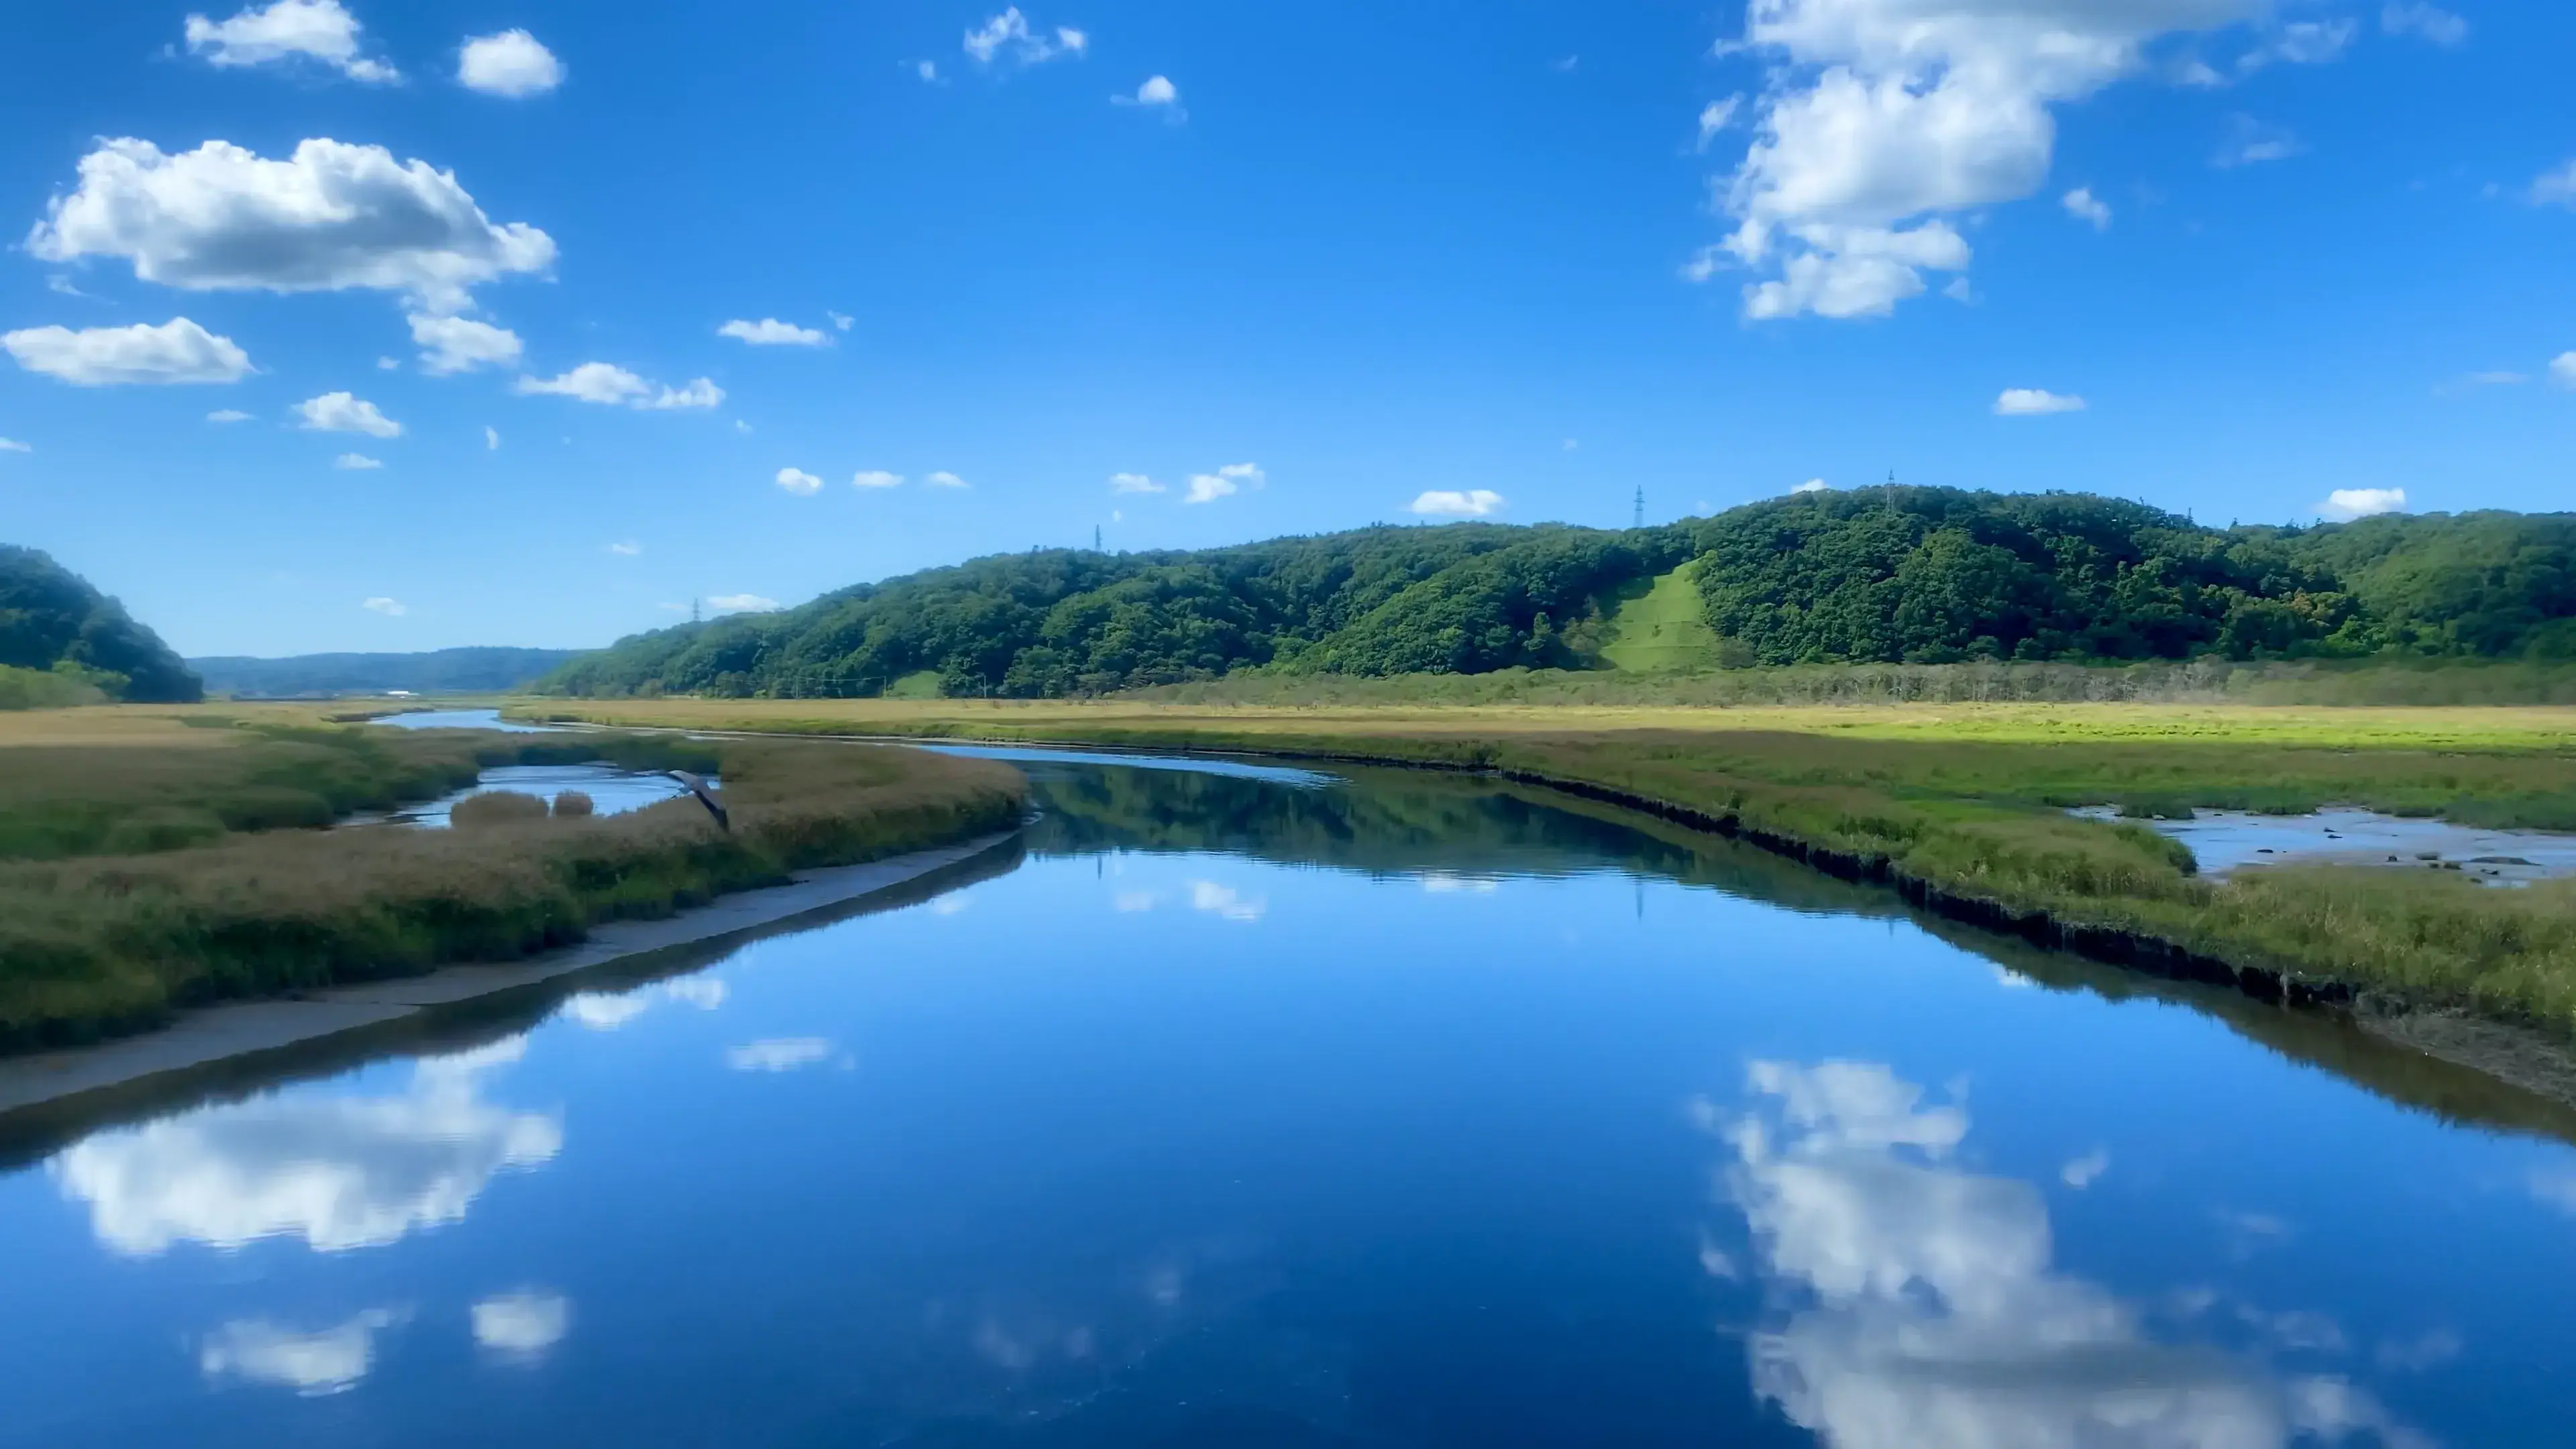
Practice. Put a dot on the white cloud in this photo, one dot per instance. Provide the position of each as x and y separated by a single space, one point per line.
1134 483
388 364
391 608
491 439
770 332
2562 369
176 351
460 344
606 1011
627 548
1225 482
2301 42
1009 35
1442 883
331 217
227 415
877 478
2251 143
742 427
780 1054
511 63
1157 93
799 482
1131 902
312 29
1812 485
1886 116
360 462
741 604
944 479
1703 265
613 386
2084 1171
2346 504
57 282
2433 23
312 1364
12 445
340 412
2031 402
339 1172
706 993
527 1322
2083 205
699 393
1226 901
1450 503
842 320
2555 188
928 70
1716 116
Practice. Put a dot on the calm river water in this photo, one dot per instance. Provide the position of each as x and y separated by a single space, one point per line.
1378 1109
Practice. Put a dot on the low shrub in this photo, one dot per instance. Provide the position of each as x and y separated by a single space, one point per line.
495 807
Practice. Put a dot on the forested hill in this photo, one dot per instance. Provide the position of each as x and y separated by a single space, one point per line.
54 624
440 671
1877 574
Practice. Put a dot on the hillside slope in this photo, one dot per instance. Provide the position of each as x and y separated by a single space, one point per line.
442 671
53 622
1923 575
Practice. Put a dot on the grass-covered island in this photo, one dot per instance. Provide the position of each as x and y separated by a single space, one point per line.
1963 808
152 859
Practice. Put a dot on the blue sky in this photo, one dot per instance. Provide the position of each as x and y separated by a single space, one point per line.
1343 262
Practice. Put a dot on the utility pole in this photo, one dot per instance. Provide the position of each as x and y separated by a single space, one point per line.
696 614
1095 538
1640 520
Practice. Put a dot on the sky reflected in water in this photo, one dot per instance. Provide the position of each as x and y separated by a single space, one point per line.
1399 1111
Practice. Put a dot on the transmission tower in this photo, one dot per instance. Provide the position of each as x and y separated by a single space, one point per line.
1640 519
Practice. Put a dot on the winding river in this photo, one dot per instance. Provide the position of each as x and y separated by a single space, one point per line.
1261 1107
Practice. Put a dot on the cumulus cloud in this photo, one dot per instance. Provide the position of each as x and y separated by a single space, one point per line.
1134 483
842 320
944 479
613 386
227 415
176 351
780 1054
1887 116
328 218
527 1322
258 1351
317 30
1450 503
511 63
1157 93
699 393
1009 36
460 344
1812 485
606 1010
877 478
2251 143
338 1172
741 604
340 412
1225 482
357 463
770 332
2555 188
391 608
2030 402
2562 369
2345 504
2300 42
800 482
1716 116
2084 1171
2430 22
2083 205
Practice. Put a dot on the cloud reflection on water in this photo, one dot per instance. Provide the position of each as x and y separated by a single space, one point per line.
258 1351
1927 1315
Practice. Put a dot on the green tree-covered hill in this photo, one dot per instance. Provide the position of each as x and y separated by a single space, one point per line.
438 671
53 623
1877 574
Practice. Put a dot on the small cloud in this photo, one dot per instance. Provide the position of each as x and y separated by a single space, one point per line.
312 1364
12 445
2084 1171
1225 482
741 604
1565 64
511 64
592 382
2555 188
842 320
2083 205
2301 42
1157 93
706 993
1130 902
799 482
1450 503
1442 883
2345 504
227 415
779 1054
701 393
57 282
177 351
2031 402
491 439
2429 22
928 70
2251 142
1073 40
1716 116
340 412
388 364
1225 901
1008 35
628 549
285 32
1961 291
770 332
1704 264
606 1011
523 1323
877 478
742 427
2562 369
1134 483
460 344
952 904
390 608
945 479
355 462
1812 485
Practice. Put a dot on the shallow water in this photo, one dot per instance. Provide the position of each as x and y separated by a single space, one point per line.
1406 1110
460 719
612 791
2226 840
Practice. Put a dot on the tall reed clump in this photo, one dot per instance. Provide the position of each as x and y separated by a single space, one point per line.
100 944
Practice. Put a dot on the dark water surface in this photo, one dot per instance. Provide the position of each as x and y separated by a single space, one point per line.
1401 1110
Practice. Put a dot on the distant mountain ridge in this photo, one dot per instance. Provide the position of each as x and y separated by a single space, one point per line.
1893 574
443 671
53 623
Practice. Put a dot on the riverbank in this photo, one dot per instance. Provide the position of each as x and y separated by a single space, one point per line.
97 941
1961 809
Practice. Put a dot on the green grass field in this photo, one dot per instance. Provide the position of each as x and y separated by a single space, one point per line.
1661 631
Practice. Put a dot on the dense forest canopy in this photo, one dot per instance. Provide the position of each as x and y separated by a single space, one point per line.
51 620
1894 574
439 671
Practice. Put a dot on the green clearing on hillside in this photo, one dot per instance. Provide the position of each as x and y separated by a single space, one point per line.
1661 629
919 684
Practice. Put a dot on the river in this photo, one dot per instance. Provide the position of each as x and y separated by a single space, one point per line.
1277 1108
